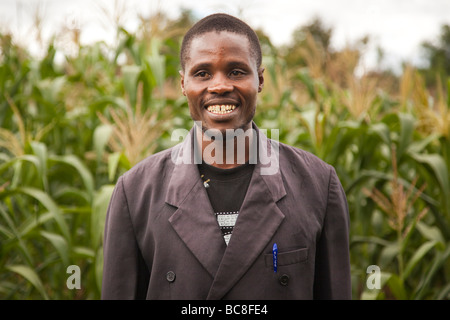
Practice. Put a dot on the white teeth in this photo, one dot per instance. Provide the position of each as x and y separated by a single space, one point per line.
221 109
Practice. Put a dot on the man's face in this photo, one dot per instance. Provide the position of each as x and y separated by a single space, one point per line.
221 81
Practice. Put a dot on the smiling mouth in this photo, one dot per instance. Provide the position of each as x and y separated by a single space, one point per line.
221 109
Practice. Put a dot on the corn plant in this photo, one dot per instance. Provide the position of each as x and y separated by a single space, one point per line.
68 130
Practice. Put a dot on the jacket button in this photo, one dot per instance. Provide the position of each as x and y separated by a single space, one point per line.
170 276
284 280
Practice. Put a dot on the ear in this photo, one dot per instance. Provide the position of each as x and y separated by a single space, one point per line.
182 82
261 79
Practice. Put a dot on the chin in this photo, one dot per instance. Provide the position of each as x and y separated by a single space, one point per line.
223 127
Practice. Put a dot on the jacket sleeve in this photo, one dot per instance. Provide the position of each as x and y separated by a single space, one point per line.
332 278
125 275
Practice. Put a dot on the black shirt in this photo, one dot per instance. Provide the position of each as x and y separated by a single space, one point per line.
226 191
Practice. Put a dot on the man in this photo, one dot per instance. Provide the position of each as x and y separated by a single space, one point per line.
213 219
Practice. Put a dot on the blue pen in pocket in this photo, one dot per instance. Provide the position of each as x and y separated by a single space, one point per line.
275 257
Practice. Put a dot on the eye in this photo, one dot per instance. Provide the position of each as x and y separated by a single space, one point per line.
237 73
201 74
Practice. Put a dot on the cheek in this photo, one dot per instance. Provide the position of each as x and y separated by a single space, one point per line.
250 92
194 105
192 93
194 102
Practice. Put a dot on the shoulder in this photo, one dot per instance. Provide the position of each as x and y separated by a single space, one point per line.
306 174
300 167
145 185
152 168
299 159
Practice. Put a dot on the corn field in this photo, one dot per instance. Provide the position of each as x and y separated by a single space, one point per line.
70 127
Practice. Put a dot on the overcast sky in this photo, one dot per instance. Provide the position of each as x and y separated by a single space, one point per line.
397 26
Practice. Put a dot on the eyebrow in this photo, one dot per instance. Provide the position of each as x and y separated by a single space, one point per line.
231 64
203 65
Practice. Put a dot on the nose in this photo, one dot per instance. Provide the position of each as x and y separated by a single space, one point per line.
220 84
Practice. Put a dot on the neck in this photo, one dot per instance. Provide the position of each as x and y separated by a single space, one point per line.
227 149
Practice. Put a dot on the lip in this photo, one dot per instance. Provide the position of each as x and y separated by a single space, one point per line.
213 102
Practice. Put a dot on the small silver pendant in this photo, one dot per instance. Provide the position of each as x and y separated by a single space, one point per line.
205 183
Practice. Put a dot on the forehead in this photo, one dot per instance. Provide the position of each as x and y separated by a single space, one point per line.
221 44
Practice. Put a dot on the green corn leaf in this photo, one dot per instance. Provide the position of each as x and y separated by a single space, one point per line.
389 253
306 79
50 205
157 64
99 268
407 125
32 222
418 256
131 76
31 276
397 287
83 171
438 168
439 260
101 137
430 232
40 150
12 232
98 216
13 162
444 293
419 146
102 102
84 252
113 163
60 245
6 232
382 130
73 192
50 88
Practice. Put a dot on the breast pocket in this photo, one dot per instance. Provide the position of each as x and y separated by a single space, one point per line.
287 258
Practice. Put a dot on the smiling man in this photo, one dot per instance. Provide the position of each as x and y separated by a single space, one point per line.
221 78
217 225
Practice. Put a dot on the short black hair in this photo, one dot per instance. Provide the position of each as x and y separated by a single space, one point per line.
221 22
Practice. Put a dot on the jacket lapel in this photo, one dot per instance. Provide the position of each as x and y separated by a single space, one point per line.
194 220
195 223
259 219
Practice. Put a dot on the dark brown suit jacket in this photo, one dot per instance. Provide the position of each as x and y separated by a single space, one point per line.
162 240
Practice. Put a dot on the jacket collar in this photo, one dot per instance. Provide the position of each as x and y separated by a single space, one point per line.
185 175
195 221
